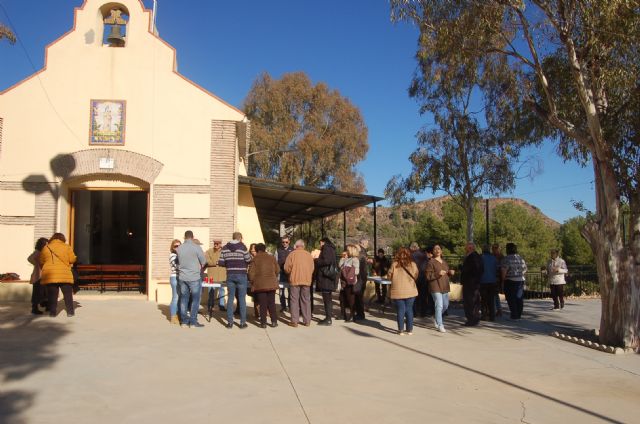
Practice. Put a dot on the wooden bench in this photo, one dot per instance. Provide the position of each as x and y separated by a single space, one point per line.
111 277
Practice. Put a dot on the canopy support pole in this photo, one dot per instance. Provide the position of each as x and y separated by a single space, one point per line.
344 229
375 229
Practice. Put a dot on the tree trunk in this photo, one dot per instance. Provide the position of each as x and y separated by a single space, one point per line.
470 206
617 262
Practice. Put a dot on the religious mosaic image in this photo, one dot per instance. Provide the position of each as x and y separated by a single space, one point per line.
107 122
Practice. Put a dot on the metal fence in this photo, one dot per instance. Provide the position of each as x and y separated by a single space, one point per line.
582 280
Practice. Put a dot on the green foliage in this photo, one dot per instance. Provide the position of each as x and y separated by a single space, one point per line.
364 226
399 229
509 223
512 223
430 231
450 231
575 249
456 219
304 133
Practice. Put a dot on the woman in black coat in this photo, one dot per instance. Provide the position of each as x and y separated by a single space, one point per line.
327 276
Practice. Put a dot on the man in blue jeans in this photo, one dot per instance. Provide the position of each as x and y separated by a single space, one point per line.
471 273
236 257
514 269
190 262
488 285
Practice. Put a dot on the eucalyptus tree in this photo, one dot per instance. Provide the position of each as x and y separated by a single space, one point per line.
471 150
575 65
460 157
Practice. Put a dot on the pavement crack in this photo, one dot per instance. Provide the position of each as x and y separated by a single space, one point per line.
623 370
293 387
524 413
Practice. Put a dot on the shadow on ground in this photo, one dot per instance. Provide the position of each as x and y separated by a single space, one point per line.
28 346
537 319
591 414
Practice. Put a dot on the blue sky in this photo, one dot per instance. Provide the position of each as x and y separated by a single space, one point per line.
350 45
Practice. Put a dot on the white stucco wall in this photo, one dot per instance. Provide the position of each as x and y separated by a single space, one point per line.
167 117
191 205
14 257
17 203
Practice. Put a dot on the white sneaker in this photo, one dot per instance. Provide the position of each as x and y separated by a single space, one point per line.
441 329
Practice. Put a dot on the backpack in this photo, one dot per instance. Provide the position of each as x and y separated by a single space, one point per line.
348 274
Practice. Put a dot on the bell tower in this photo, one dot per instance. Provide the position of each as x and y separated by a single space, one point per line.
115 19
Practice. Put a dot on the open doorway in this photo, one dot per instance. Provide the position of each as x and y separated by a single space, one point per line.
110 226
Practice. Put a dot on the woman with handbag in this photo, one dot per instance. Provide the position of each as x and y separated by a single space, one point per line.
56 260
349 269
327 277
438 274
403 275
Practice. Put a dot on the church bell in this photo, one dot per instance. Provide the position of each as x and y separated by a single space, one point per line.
115 38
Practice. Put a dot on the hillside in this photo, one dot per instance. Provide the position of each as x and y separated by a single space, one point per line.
360 221
435 207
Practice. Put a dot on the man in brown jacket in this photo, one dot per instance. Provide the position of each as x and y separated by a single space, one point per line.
299 266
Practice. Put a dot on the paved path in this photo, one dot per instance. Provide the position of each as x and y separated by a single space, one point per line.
119 361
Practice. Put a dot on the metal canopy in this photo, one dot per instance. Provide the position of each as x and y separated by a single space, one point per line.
277 202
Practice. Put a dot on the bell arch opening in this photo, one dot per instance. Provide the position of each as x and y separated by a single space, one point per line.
115 20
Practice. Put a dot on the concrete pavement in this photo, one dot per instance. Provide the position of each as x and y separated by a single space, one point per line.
119 361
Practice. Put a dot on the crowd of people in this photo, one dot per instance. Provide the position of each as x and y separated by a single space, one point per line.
419 281
292 271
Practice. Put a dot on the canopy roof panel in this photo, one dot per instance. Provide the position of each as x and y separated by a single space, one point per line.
294 204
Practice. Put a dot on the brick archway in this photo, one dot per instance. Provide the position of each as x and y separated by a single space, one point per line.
110 162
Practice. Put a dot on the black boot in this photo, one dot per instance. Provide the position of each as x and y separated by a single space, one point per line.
326 322
35 310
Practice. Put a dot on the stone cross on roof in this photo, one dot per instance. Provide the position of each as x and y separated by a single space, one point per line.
115 18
